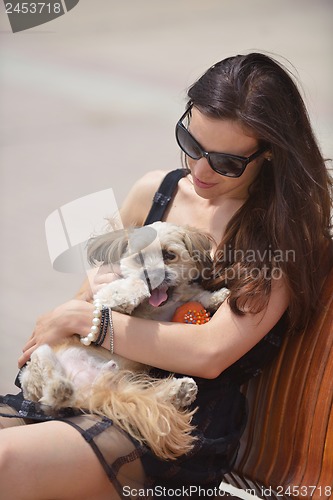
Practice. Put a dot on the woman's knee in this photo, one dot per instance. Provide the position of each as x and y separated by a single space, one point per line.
6 448
50 462
9 455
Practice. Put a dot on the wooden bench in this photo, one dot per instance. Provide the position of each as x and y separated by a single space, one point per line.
287 448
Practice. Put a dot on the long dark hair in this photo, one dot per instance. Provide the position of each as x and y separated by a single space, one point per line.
284 226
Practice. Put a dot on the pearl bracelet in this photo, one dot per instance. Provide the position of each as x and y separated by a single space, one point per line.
103 328
96 322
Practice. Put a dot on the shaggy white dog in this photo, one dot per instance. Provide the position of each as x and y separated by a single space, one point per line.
161 266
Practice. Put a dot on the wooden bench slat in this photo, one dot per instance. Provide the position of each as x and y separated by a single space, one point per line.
289 437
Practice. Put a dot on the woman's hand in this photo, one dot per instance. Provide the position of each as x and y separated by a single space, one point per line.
73 317
97 278
103 276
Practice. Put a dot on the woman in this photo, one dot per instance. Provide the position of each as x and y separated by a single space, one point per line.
256 181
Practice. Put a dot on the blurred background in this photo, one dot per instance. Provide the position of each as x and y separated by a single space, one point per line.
89 102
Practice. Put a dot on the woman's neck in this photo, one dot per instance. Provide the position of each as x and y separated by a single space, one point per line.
211 216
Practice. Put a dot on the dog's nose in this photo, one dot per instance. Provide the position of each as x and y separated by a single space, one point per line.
170 277
153 276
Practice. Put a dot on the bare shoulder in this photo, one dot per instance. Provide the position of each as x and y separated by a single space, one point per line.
139 199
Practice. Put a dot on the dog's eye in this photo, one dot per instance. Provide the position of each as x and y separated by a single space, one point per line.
168 255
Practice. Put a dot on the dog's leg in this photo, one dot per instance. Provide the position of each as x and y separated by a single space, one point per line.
44 380
34 376
124 295
180 392
212 300
147 409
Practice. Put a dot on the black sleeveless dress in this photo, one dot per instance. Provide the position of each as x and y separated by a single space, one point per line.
220 419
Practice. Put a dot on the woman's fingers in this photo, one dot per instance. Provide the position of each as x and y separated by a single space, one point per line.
102 276
72 317
26 356
29 344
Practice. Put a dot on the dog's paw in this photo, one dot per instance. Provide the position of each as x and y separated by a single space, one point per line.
124 295
41 367
184 391
32 387
215 299
59 393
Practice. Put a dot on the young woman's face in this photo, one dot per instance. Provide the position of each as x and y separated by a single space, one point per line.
222 136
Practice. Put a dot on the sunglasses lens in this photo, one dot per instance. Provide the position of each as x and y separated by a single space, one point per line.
221 163
231 167
187 143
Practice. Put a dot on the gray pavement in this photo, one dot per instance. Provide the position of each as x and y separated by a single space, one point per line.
89 101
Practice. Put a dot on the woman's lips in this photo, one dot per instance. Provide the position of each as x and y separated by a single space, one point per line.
201 184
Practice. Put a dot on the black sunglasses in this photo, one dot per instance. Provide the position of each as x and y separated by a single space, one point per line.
222 163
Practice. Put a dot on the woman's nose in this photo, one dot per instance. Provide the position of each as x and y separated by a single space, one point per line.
202 167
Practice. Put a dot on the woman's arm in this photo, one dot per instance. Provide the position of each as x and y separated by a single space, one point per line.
197 350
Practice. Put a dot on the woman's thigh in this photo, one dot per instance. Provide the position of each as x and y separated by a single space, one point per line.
51 460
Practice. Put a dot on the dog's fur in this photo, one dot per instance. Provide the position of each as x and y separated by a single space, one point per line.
152 411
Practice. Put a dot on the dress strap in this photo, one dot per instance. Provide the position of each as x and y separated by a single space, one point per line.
164 194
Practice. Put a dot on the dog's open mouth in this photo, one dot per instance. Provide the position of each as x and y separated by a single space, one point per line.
158 296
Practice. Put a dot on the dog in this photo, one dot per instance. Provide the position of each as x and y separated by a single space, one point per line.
160 267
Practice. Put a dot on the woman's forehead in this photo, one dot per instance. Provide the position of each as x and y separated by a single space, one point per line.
222 135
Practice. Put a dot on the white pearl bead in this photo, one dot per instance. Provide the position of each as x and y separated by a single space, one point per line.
91 336
85 341
97 313
96 321
94 329
98 304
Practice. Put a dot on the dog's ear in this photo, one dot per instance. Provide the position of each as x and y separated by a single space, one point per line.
199 245
107 248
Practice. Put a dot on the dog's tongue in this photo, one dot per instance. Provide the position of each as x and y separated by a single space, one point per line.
158 296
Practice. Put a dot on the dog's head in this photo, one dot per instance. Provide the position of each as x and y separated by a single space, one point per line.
165 255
